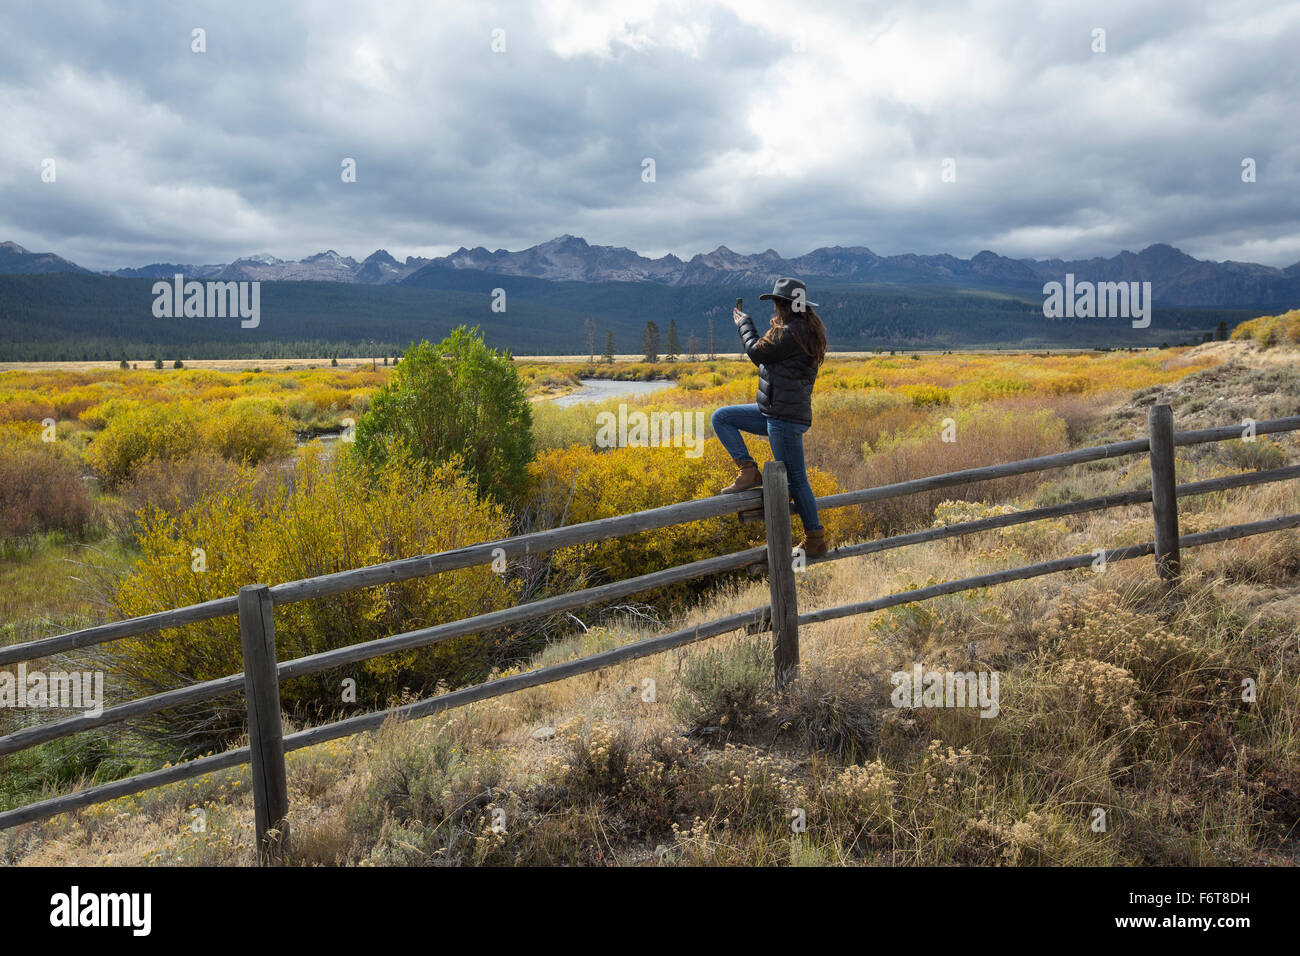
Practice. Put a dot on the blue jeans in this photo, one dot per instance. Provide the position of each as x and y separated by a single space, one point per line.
786 439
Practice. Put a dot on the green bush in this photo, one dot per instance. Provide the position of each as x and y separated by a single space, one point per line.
1259 455
458 399
726 686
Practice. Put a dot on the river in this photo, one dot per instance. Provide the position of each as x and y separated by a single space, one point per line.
599 389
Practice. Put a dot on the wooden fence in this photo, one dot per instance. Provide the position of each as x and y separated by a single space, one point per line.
255 606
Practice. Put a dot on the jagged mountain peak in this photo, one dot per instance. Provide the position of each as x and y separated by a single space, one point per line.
1177 278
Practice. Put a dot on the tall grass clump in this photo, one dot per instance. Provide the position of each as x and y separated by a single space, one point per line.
41 489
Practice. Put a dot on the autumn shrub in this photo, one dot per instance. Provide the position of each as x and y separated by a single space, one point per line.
579 484
981 436
861 796
145 432
1036 539
1271 330
848 422
833 705
330 518
556 426
1166 663
172 488
41 489
924 395
98 416
25 410
248 433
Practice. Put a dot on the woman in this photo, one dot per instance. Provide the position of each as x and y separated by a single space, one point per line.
788 358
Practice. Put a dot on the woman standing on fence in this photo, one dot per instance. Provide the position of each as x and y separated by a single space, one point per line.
788 358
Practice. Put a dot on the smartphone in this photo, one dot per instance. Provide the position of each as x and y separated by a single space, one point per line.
738 301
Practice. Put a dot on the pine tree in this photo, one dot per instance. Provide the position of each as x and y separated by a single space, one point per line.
650 342
672 346
609 346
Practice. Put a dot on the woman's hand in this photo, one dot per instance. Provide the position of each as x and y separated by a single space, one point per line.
737 316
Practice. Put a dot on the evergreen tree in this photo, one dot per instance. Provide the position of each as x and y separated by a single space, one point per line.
650 342
672 346
609 346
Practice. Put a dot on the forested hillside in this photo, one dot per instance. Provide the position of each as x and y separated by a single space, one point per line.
70 317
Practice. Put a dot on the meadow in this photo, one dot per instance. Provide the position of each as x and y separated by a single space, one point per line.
1116 695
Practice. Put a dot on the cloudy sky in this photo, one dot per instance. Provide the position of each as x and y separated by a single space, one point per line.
771 125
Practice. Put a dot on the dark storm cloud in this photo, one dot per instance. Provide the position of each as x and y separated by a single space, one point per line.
785 126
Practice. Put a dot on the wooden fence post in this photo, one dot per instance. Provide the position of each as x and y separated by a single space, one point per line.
265 732
1164 499
780 573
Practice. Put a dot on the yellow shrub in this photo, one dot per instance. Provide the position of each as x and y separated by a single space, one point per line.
1270 330
581 484
248 430
925 396
329 519
248 433
1068 384
138 434
98 416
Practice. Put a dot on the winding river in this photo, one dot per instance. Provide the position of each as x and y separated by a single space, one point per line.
599 389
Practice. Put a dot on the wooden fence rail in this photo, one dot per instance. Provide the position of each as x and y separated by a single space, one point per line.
263 673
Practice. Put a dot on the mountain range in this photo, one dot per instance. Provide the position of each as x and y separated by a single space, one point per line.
1177 279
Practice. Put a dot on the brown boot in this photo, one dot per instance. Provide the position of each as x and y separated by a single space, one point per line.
813 544
749 477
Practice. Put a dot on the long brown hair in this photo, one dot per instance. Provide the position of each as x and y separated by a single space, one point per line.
815 344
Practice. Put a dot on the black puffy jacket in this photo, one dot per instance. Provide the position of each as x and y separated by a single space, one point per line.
786 370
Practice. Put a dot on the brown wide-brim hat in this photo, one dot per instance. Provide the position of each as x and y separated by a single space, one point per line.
787 288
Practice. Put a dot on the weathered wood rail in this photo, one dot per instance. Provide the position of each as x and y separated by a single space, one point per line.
255 606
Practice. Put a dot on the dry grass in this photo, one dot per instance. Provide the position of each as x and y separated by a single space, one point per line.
1114 696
